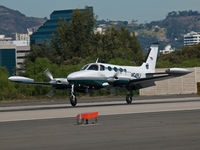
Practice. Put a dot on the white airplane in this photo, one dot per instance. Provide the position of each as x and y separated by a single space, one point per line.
101 75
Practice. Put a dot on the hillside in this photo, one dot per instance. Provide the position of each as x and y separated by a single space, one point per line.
12 21
169 30
175 25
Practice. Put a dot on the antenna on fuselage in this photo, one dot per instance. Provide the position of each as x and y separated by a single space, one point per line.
97 60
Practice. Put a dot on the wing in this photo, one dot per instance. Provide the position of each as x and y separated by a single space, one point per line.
25 80
59 83
152 77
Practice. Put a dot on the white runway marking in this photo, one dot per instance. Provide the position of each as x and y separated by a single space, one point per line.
104 108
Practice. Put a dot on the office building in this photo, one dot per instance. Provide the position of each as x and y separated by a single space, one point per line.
45 32
191 38
13 52
168 49
8 58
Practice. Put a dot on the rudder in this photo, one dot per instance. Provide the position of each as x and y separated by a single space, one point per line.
150 62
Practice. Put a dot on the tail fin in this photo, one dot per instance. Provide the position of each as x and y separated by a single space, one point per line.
150 62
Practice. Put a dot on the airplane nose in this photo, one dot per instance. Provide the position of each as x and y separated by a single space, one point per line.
73 76
70 77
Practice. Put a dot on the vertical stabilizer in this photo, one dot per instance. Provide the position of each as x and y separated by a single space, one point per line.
150 61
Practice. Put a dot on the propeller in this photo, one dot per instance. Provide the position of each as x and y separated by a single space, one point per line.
50 93
48 74
57 83
113 78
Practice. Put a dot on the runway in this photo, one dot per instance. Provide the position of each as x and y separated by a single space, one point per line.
17 113
167 124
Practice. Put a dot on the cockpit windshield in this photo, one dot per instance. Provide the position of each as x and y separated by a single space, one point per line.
84 67
93 67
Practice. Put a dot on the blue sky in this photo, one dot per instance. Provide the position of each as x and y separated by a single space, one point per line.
141 10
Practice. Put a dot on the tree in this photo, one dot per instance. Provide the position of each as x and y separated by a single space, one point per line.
7 89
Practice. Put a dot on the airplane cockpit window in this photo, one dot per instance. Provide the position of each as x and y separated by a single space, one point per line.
102 68
120 69
84 67
93 67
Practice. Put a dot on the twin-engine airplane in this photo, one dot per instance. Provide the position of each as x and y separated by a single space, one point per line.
101 75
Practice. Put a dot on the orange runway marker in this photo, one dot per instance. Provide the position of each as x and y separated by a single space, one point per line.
86 116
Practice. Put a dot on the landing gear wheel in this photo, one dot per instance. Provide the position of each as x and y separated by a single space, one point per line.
73 100
128 99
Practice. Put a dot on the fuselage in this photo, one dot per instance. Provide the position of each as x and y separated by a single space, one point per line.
99 75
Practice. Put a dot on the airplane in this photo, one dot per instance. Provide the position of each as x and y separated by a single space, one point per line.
97 75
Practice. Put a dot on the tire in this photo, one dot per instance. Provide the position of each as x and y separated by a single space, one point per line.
128 99
73 100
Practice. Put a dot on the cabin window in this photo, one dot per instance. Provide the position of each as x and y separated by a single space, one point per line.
109 68
93 67
115 69
102 68
121 70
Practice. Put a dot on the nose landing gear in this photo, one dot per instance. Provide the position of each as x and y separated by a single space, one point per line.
72 98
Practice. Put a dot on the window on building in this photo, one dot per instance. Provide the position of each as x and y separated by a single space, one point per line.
21 57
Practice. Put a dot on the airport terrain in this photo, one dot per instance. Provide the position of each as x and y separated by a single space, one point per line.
169 122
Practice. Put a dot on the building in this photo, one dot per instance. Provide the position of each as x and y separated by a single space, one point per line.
3 38
168 49
45 32
8 58
180 85
13 52
192 38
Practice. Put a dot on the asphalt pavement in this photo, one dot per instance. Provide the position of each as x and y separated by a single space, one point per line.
177 130
161 123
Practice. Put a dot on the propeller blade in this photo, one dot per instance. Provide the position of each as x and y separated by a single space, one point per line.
116 75
48 74
50 93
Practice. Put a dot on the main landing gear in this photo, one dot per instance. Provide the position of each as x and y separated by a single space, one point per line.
129 97
73 99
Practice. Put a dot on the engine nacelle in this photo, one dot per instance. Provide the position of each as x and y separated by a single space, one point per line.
61 81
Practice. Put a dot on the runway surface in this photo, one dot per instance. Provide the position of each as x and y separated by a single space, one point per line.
17 113
167 124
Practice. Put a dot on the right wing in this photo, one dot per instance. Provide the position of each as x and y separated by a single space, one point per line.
152 77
